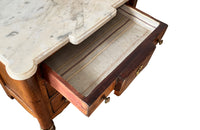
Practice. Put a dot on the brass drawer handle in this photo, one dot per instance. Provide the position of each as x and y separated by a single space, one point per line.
107 99
160 42
139 70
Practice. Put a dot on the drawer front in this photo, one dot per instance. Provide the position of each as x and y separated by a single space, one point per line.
57 101
50 90
128 75
85 104
102 97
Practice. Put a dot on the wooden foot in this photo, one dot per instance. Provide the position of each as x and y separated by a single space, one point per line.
52 128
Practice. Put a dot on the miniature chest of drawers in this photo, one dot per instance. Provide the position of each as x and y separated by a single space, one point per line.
53 53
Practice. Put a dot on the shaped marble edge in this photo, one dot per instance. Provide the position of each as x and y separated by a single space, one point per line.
85 33
21 59
30 67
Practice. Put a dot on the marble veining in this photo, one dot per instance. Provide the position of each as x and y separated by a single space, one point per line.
30 31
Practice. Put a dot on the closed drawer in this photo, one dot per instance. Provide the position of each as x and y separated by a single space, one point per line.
57 101
50 90
132 70
88 72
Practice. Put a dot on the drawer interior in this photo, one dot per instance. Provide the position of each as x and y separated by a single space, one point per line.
85 66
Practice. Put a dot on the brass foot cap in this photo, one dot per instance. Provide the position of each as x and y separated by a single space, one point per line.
52 128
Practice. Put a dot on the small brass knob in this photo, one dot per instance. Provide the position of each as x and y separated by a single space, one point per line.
160 42
65 100
107 99
139 69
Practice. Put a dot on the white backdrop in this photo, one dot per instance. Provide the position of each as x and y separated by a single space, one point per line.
165 96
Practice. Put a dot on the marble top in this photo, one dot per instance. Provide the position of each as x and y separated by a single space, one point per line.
31 30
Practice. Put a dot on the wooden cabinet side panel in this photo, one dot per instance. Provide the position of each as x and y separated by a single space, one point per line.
28 93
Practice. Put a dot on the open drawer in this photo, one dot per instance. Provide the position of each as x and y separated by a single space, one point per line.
86 74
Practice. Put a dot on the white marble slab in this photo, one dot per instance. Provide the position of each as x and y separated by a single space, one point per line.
31 30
